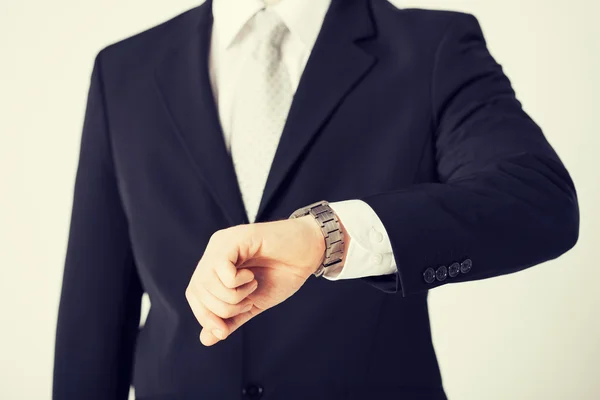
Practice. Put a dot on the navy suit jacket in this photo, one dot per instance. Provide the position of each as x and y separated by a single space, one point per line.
415 117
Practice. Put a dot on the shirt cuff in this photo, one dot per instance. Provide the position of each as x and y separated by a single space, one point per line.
370 251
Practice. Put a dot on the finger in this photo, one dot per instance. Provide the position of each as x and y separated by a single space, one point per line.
207 318
207 338
232 296
232 277
235 322
219 307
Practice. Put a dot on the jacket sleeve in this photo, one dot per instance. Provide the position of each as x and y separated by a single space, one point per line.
99 308
503 200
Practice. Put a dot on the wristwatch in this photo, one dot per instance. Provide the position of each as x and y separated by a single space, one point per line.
332 232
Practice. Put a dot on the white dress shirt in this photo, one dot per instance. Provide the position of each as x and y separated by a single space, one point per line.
370 250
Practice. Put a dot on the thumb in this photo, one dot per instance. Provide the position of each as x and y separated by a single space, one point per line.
208 339
235 322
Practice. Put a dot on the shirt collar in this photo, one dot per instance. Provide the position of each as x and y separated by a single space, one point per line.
302 17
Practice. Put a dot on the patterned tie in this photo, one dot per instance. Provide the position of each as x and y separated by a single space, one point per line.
262 102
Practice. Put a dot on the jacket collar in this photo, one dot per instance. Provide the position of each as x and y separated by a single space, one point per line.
336 64
303 18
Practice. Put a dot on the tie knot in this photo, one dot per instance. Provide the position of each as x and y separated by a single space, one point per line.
271 28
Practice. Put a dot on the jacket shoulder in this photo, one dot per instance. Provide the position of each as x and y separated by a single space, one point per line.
423 19
144 47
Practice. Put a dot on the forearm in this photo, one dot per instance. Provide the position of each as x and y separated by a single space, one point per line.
516 214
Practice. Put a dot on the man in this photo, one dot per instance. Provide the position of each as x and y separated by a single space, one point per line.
235 151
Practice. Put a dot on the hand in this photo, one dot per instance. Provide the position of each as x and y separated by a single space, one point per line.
247 269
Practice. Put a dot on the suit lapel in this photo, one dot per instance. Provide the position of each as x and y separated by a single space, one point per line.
335 66
184 85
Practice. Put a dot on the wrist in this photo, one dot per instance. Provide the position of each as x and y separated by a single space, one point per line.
346 242
330 243
320 244
335 269
316 238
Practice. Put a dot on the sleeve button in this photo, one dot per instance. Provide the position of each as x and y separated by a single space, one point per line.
429 275
441 273
466 265
454 269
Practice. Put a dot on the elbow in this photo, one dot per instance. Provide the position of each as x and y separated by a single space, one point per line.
547 235
568 230
567 212
556 212
562 229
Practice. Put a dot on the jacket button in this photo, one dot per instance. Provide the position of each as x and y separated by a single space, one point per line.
441 273
252 391
429 275
454 269
466 265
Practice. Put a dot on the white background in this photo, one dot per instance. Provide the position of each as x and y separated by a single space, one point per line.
531 335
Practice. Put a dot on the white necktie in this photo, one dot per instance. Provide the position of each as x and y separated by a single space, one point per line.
262 101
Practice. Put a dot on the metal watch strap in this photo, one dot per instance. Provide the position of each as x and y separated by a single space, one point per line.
332 232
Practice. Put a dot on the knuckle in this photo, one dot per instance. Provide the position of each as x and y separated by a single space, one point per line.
192 293
200 315
201 280
198 278
203 316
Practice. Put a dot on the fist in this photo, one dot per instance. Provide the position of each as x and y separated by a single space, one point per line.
247 269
